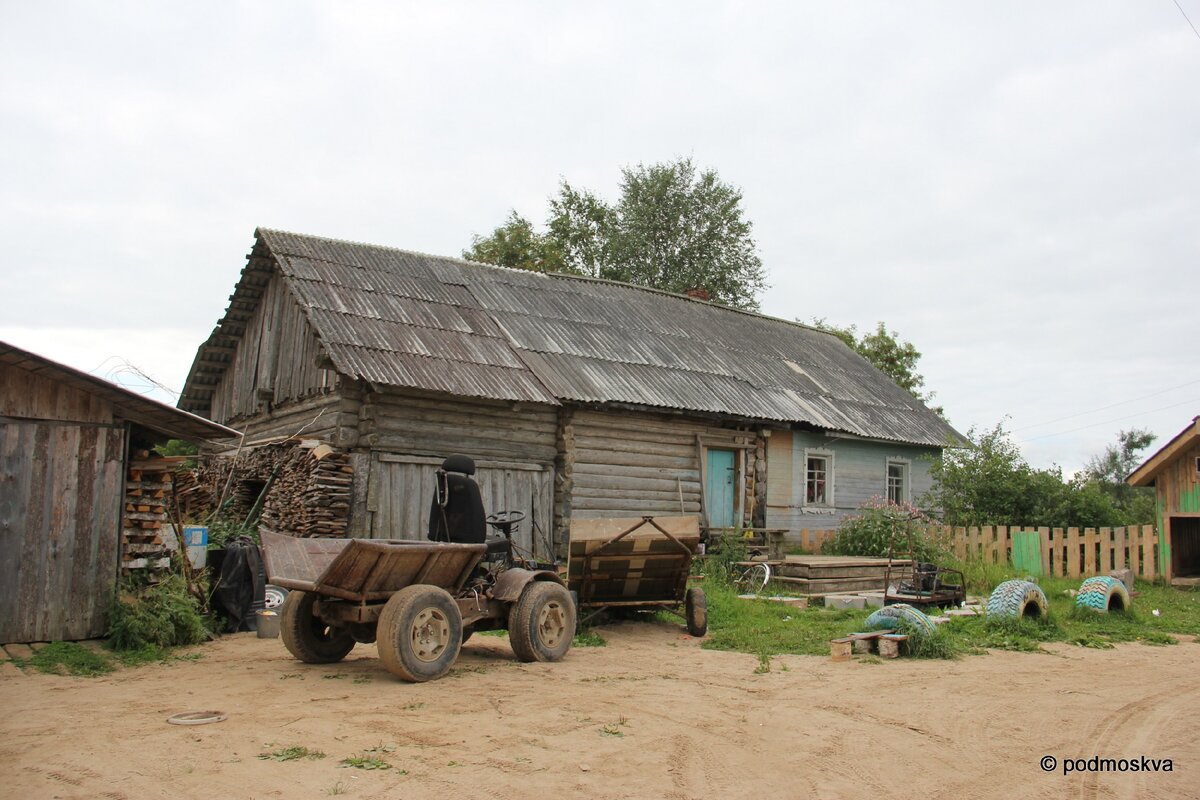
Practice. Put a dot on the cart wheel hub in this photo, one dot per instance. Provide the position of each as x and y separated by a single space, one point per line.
430 634
552 623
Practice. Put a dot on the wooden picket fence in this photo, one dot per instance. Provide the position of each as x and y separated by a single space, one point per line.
1064 552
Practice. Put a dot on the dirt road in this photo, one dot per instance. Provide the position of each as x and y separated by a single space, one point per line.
651 715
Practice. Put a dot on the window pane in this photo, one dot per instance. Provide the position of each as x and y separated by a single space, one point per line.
895 483
815 480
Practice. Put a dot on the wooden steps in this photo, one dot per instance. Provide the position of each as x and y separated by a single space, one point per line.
833 574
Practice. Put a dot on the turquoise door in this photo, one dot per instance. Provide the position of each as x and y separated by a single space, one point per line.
719 489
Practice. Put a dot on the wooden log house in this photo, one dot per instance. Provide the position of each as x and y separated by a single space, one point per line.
577 397
80 497
1174 472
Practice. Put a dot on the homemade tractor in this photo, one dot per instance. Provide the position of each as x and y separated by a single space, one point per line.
420 600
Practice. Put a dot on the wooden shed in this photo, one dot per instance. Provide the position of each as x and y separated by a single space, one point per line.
576 396
1174 472
65 444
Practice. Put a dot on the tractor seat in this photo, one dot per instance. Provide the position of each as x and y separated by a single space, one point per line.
456 510
496 546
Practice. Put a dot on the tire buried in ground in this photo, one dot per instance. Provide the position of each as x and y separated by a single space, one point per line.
541 623
901 615
1102 594
419 633
306 636
1017 599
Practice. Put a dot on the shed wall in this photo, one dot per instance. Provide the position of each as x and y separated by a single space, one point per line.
32 396
1177 489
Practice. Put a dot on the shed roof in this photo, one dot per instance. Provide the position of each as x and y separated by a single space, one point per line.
406 319
128 405
1147 472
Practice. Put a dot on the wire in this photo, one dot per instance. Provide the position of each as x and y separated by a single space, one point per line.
1049 435
1189 19
1105 408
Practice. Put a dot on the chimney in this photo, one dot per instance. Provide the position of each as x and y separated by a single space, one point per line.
697 293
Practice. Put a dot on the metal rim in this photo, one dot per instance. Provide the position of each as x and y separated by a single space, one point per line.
196 718
552 623
430 634
274 596
756 577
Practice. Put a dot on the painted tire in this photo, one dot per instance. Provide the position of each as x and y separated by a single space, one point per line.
1102 594
901 615
1017 599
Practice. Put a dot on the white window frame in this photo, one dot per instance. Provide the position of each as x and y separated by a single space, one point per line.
906 487
829 481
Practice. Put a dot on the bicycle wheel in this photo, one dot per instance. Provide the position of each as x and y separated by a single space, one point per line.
754 578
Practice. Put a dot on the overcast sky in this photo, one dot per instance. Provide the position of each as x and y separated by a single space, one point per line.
1014 187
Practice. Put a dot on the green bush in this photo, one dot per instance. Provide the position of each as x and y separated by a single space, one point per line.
154 615
881 527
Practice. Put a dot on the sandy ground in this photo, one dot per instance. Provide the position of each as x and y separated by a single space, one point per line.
651 715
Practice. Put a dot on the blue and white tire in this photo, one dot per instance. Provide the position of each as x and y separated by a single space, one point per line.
901 615
1017 599
1102 594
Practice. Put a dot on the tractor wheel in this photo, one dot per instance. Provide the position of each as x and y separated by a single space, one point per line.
696 611
1102 594
901 615
420 633
541 623
309 638
1017 599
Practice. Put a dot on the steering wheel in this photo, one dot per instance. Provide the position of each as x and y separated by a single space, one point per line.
505 518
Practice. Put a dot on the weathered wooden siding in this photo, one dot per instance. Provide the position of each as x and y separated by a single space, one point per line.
401 490
276 360
312 418
27 394
430 425
60 520
859 472
1177 489
624 463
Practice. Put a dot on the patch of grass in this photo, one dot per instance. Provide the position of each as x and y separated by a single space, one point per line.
334 676
764 664
68 658
153 654
293 753
761 627
367 762
363 679
614 728
587 637
337 788
492 633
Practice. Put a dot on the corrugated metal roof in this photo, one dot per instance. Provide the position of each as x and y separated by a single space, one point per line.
405 319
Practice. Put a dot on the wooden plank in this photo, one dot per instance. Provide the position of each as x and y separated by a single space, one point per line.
1044 535
1148 552
1098 548
1135 550
1119 543
1074 545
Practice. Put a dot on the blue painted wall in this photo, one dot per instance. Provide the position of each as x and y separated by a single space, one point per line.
859 472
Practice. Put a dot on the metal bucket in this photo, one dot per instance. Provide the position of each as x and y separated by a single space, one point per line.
268 624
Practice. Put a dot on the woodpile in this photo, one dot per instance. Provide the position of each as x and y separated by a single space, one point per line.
147 492
304 485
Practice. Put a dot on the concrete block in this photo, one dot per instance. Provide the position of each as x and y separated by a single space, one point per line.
844 601
1125 576
874 599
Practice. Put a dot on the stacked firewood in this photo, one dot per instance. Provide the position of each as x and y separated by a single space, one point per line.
147 491
300 487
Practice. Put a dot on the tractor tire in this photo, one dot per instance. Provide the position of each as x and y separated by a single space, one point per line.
1017 599
901 615
309 638
419 633
1102 594
695 608
541 624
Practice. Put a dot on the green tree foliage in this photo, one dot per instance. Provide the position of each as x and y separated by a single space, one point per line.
990 483
1107 472
893 357
673 228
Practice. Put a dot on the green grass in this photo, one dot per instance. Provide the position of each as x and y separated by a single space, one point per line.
587 637
765 629
293 753
68 658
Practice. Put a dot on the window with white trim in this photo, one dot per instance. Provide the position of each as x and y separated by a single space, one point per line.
897 481
818 479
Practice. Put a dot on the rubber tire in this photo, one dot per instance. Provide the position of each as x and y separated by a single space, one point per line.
308 638
524 633
1098 594
395 632
901 615
1017 599
695 608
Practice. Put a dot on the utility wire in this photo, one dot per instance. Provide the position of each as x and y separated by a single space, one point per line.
1189 19
1105 408
1110 421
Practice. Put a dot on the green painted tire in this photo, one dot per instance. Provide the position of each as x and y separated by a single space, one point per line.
1017 599
901 615
1102 594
